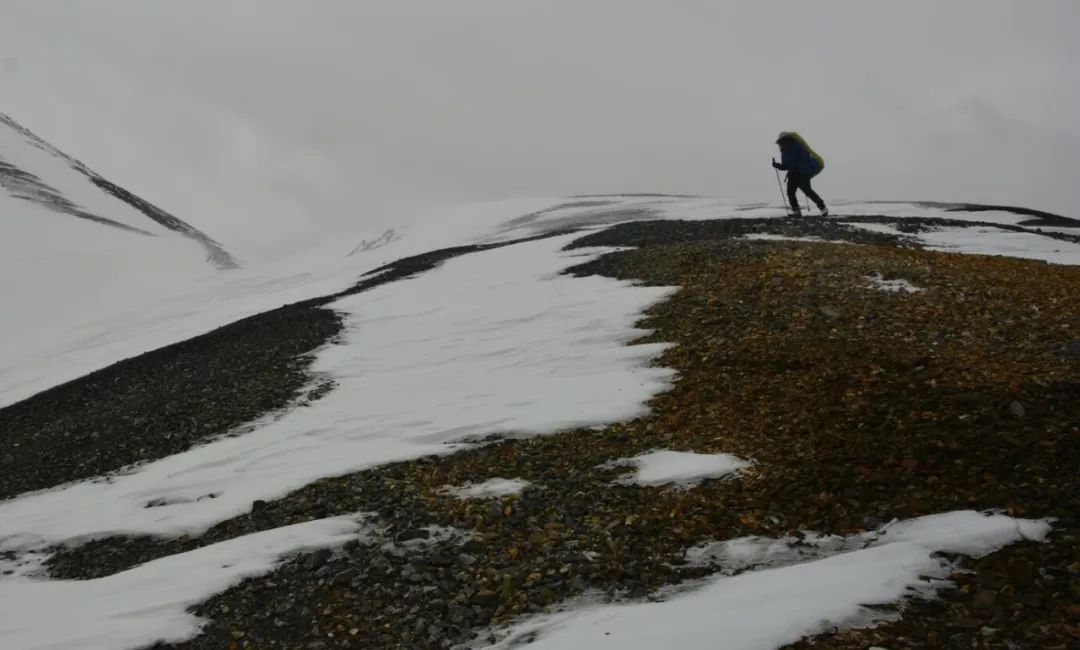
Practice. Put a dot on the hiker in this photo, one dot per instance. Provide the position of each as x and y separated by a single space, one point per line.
801 163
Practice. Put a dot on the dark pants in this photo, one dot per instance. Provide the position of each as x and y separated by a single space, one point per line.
796 181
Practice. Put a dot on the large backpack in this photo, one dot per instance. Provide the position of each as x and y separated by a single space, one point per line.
816 162
807 162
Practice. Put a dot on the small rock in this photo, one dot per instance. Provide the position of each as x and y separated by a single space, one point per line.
466 559
990 579
317 559
460 615
440 560
983 601
485 597
345 576
1022 572
258 506
472 547
413 533
829 312
966 623
1017 410
1073 348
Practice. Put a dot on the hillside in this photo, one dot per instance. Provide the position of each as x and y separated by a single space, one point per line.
605 421
78 249
38 173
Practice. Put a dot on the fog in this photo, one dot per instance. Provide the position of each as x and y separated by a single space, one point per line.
273 124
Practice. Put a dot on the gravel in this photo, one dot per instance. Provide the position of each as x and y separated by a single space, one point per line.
162 402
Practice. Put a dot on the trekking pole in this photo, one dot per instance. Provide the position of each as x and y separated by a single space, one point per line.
783 202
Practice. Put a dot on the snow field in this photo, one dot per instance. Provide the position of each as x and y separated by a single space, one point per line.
459 352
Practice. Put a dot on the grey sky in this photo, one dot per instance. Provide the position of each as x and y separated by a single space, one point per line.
299 119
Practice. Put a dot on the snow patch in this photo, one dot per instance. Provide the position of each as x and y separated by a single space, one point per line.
885 229
760 610
995 241
877 281
732 556
491 488
764 236
149 603
663 466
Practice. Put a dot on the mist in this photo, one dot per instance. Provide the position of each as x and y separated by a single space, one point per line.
272 124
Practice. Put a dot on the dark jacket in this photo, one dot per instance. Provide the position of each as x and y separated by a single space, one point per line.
798 157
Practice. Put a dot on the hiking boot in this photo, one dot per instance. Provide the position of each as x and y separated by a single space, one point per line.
824 211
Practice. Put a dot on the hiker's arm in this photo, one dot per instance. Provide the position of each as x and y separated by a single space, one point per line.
787 159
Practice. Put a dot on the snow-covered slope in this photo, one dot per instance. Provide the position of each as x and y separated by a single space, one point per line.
75 248
497 342
104 294
34 171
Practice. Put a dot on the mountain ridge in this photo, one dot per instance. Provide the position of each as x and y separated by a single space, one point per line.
28 186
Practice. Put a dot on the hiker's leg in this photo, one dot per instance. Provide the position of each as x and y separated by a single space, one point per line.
792 185
804 185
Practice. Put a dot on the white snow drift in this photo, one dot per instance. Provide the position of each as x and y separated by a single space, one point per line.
148 603
491 488
663 466
762 610
898 285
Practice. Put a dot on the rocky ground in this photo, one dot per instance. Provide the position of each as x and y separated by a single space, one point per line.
163 402
857 405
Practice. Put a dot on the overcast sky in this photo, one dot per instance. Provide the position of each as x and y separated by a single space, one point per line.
298 119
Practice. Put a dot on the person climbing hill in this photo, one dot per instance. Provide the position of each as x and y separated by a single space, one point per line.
801 163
